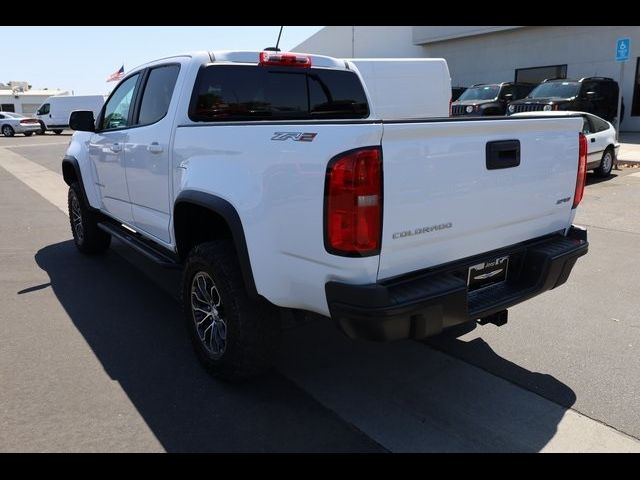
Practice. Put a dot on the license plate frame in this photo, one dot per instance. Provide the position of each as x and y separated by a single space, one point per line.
488 273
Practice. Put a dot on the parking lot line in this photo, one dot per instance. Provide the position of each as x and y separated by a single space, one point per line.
48 184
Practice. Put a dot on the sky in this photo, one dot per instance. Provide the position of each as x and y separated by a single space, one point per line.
80 59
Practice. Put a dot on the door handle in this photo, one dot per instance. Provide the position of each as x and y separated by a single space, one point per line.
115 147
154 147
593 140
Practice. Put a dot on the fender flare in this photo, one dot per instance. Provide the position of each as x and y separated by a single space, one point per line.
228 212
70 161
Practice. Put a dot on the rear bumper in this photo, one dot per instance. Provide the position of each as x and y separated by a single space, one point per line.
421 304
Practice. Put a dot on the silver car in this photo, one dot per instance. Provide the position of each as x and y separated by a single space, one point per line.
12 123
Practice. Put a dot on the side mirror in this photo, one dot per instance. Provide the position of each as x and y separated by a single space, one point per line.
508 97
82 120
590 94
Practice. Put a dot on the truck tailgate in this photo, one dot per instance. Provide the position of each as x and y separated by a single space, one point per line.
444 200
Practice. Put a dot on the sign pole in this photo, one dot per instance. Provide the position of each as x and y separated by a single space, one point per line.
619 114
623 52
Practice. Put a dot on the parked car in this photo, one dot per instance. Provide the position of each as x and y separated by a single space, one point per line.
602 146
489 99
12 123
596 95
55 111
280 185
456 92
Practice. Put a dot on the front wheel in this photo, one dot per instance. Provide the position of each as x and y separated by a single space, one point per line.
27 134
234 336
57 131
87 236
8 131
606 164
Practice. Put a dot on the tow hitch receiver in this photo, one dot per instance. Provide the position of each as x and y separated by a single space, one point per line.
498 319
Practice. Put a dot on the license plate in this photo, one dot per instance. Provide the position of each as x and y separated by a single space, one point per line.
488 273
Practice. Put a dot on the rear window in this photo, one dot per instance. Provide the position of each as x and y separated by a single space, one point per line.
246 92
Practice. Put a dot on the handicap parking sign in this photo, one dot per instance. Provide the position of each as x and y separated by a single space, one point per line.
622 50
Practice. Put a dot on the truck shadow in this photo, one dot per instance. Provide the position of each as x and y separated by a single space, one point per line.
135 330
403 394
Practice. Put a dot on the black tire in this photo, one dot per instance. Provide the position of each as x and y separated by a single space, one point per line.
57 131
606 164
251 328
7 131
27 134
87 236
42 129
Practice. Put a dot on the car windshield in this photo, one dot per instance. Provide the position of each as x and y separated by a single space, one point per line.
555 90
484 92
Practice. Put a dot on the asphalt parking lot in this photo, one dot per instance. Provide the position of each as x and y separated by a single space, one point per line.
94 356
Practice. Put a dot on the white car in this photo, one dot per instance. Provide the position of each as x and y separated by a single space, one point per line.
601 137
12 123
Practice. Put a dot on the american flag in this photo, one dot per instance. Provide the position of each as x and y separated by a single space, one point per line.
117 75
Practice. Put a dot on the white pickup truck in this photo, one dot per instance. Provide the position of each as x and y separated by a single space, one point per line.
271 181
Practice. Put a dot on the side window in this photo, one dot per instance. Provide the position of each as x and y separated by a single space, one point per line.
591 87
599 125
523 90
586 126
508 89
44 109
116 111
157 94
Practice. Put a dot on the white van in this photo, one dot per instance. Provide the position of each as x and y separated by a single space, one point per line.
401 88
55 111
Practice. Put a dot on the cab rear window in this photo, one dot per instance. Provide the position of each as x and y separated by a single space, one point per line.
246 92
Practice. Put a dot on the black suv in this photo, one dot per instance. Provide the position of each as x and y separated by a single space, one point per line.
489 99
597 95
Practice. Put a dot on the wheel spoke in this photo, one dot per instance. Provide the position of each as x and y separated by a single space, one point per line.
202 287
198 309
195 294
206 307
222 329
215 297
203 319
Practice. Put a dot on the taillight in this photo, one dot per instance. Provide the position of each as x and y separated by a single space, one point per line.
353 203
285 59
582 170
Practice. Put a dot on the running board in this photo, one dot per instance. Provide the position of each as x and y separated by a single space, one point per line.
141 245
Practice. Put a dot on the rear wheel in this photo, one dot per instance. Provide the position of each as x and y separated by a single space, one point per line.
606 164
234 336
84 224
7 131
57 131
